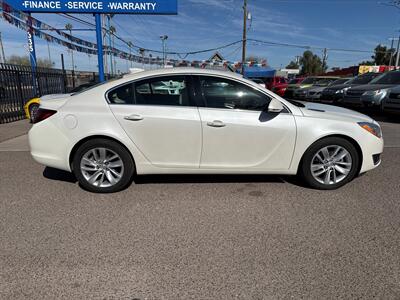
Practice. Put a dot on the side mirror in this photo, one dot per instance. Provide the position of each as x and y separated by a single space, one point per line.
275 106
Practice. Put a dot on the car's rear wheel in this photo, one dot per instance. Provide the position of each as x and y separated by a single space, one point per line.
33 109
103 166
330 163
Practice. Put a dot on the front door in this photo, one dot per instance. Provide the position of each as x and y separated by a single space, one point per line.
238 133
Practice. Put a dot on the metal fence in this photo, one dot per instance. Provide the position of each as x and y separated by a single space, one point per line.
17 87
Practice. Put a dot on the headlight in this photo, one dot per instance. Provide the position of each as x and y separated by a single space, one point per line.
381 93
342 91
371 128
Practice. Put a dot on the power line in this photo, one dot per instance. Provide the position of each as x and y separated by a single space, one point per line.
313 47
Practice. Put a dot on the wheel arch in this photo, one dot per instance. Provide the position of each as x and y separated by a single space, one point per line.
93 137
345 137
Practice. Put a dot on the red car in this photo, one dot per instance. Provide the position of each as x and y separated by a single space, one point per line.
271 82
280 89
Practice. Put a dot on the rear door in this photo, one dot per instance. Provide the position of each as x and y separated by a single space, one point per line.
237 131
160 118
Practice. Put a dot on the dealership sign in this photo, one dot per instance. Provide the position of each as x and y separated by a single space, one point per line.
169 7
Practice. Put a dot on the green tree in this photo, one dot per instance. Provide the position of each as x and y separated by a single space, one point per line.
293 65
25 61
311 64
381 56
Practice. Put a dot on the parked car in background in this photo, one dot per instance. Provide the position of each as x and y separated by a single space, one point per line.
314 92
301 93
271 82
335 92
373 93
31 106
373 98
280 89
126 127
306 83
391 103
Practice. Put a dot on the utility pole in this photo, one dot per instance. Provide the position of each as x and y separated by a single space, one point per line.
244 35
141 51
398 52
164 48
104 39
48 50
3 60
324 58
391 53
130 53
69 28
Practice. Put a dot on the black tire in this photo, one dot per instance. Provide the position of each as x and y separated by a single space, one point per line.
112 147
33 108
305 166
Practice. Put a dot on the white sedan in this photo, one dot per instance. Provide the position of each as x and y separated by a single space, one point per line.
213 123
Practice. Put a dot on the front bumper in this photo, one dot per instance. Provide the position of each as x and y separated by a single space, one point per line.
372 148
331 98
369 100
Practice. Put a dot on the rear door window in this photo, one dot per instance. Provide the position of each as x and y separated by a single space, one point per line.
171 90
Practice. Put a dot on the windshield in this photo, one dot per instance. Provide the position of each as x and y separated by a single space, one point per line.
340 81
388 78
324 81
364 79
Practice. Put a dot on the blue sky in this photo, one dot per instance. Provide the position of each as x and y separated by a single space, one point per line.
202 24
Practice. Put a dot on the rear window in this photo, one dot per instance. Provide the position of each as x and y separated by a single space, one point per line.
171 90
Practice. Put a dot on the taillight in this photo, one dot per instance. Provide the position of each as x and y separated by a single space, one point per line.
43 114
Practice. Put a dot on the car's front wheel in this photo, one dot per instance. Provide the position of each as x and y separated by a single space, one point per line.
103 166
330 163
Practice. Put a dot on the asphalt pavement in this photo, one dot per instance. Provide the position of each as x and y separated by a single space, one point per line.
198 237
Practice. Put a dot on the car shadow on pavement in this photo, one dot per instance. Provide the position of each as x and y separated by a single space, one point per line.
162 179
59 175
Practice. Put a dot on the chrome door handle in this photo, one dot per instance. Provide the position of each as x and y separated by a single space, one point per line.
216 123
134 118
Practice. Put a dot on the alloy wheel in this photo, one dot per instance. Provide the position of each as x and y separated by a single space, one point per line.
331 164
102 167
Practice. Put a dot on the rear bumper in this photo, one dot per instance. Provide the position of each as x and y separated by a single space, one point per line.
391 108
49 146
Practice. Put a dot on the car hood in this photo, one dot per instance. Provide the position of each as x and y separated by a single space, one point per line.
338 87
324 111
54 101
298 86
371 87
317 88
